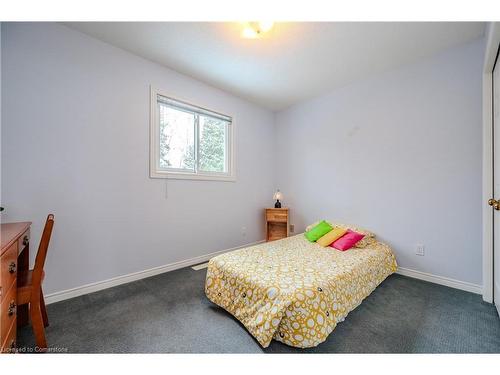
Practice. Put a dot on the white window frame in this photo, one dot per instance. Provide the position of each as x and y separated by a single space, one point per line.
154 145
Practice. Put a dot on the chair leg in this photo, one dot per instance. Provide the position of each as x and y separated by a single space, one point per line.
44 310
37 324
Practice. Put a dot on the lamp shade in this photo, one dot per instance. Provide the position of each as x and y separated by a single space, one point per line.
278 195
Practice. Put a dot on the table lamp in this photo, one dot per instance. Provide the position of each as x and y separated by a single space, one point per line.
277 195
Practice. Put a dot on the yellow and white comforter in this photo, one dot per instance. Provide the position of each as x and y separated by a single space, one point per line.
295 291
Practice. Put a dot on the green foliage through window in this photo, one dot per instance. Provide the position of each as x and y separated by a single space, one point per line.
190 141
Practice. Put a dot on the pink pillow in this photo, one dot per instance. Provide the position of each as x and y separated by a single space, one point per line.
347 241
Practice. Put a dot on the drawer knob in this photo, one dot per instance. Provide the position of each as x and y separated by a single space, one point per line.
12 267
12 308
26 240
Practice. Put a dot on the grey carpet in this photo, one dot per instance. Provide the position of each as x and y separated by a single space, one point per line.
169 313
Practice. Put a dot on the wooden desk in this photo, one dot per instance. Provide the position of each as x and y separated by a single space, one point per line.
14 258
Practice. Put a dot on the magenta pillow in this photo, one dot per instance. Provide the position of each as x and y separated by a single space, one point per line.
347 241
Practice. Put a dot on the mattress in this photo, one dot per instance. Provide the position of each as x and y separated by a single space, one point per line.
295 291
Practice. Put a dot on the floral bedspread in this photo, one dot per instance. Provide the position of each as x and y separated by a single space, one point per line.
295 291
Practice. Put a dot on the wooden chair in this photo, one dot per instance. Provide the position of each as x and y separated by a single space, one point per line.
29 287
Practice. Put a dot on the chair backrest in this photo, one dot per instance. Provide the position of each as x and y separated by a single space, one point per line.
42 251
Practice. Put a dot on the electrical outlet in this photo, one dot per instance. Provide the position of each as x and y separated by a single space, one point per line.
244 231
292 228
420 250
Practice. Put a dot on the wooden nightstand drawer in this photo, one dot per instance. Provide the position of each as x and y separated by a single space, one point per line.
276 214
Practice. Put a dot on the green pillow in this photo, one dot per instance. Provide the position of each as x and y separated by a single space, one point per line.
318 231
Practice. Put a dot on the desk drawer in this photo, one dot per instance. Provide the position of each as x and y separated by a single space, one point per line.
9 342
8 269
24 240
279 216
8 311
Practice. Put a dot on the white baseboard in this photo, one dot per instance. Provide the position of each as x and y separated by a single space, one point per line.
105 284
452 283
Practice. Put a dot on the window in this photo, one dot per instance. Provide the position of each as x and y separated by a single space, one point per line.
188 141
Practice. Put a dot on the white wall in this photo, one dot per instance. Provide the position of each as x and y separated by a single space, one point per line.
75 127
400 154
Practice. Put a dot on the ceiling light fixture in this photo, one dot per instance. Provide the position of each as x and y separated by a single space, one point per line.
253 30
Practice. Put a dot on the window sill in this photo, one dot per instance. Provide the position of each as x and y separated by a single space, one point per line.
191 176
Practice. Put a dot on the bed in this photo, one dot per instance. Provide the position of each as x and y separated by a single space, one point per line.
295 291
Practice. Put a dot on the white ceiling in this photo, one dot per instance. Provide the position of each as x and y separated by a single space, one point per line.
293 62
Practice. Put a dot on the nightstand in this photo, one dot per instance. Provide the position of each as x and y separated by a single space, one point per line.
276 223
